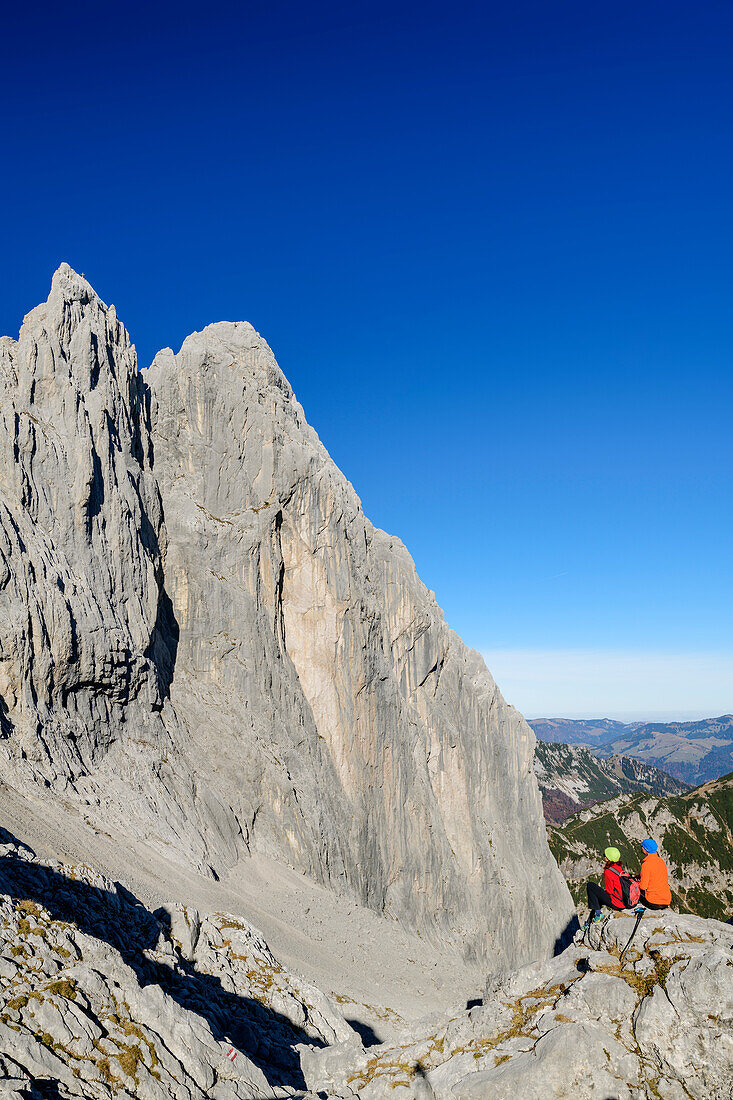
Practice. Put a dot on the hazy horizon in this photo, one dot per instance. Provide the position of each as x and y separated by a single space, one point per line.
626 686
627 719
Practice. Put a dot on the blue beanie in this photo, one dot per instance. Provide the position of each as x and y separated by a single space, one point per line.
649 845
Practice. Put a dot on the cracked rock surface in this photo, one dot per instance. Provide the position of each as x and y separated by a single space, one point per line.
102 998
580 1025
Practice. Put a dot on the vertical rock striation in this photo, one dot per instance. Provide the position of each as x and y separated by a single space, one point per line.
250 664
81 626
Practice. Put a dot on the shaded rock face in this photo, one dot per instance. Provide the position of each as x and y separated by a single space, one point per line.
250 664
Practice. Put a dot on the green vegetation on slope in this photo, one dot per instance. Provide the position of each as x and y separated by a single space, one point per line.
695 752
572 777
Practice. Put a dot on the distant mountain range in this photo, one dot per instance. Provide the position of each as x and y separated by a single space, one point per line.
694 831
572 777
694 752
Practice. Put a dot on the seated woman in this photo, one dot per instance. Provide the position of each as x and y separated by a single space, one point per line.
610 893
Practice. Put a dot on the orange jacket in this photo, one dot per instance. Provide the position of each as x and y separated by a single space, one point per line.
653 881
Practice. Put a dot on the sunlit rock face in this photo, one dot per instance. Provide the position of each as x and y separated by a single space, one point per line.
204 636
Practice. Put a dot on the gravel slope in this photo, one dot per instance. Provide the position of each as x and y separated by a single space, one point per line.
380 974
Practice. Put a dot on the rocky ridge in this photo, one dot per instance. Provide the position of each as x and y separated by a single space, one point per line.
693 752
656 1026
205 643
571 777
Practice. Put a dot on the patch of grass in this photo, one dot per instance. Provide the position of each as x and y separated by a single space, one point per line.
131 1028
30 907
63 988
225 922
105 1070
129 1059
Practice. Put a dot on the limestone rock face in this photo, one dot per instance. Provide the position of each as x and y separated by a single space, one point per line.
314 663
87 635
81 621
205 642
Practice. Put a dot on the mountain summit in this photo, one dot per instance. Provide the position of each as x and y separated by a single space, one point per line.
206 644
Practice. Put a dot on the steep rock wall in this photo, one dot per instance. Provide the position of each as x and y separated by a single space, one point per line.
206 642
341 683
81 621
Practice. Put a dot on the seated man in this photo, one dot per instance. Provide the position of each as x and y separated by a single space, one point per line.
654 881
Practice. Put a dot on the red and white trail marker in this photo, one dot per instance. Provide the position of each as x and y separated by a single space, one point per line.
232 1054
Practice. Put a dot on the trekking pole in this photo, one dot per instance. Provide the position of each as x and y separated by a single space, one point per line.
639 915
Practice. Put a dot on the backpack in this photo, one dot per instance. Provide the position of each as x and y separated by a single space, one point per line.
630 890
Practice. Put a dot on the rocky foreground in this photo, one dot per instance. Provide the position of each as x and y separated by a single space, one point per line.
101 998
581 1025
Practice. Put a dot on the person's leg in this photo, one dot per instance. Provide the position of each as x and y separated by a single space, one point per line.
651 904
597 897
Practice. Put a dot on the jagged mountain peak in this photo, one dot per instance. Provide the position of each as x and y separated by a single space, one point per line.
232 352
69 284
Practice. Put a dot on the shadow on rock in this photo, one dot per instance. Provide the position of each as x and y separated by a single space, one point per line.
366 1033
266 1037
566 936
44 1090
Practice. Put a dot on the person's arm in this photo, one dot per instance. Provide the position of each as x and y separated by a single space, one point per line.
644 877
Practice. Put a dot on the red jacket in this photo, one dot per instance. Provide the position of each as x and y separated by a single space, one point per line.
612 884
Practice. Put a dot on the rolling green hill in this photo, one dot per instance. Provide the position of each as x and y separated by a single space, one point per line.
694 832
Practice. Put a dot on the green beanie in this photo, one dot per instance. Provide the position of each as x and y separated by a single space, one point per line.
612 855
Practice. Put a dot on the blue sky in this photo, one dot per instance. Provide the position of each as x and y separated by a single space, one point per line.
491 248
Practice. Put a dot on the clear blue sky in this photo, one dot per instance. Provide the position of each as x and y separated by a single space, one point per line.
491 247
